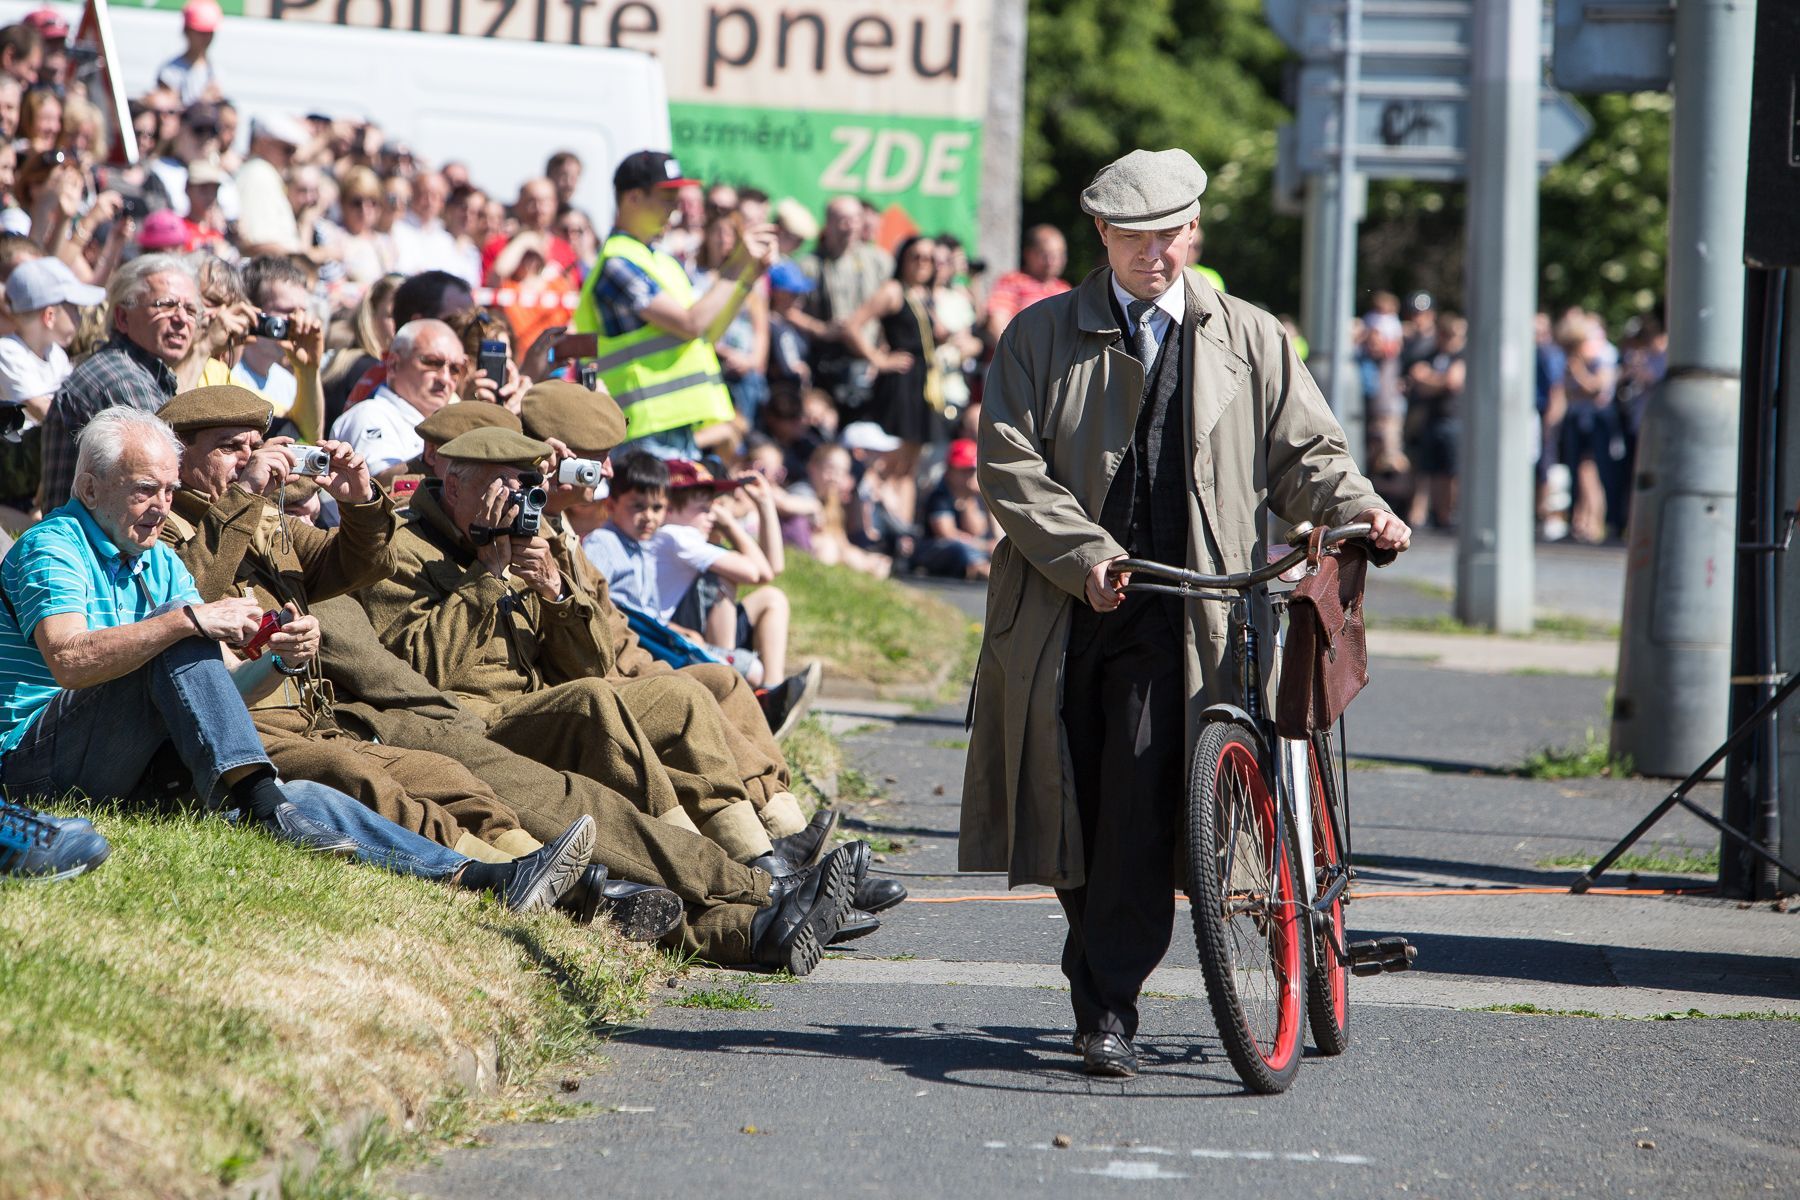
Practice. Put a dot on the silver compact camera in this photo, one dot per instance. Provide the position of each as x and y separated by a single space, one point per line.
309 460
583 472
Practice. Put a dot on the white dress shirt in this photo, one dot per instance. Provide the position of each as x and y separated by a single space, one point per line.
1170 308
383 429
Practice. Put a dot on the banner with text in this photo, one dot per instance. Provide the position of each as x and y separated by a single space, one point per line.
879 98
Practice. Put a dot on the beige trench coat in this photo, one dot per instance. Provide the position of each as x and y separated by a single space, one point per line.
1060 406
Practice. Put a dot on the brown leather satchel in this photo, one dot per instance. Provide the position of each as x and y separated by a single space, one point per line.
1326 660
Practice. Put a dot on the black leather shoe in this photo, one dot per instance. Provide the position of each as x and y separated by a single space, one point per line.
803 915
857 924
288 824
1108 1055
641 911
545 875
807 847
876 894
872 895
777 866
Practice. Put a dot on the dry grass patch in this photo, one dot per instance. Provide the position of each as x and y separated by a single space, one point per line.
210 998
867 629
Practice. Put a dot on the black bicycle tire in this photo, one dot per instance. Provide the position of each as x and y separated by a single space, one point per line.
1330 1028
1207 897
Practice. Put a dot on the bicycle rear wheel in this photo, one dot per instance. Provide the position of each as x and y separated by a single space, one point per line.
1328 976
1243 893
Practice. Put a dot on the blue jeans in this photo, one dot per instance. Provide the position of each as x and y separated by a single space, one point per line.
100 739
379 842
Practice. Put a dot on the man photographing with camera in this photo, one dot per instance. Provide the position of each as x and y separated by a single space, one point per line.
280 363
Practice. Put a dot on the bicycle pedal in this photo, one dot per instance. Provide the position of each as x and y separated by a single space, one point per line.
1375 956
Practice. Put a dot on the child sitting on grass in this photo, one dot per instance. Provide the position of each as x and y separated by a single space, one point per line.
630 550
698 579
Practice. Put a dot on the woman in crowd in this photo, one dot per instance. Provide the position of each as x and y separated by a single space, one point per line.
366 252
908 399
40 119
229 318
371 329
743 346
474 327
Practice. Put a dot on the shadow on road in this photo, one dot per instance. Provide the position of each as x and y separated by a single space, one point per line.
1560 961
998 1058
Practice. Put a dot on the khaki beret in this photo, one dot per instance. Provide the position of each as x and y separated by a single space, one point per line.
216 406
1147 189
585 421
494 445
454 420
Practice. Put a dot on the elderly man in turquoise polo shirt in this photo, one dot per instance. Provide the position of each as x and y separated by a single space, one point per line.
107 653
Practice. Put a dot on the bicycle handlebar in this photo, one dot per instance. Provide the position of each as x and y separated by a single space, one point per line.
1180 581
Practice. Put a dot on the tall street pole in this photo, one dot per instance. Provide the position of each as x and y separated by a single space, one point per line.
1002 138
1345 387
1494 584
1670 704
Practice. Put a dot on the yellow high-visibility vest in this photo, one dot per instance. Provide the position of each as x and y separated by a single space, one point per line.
660 380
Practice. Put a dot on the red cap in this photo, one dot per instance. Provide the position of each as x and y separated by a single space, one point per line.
202 16
962 454
685 475
49 24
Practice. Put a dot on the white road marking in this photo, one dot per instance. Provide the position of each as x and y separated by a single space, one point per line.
1120 1168
1123 1169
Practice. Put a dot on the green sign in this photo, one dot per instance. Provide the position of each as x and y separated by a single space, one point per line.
922 172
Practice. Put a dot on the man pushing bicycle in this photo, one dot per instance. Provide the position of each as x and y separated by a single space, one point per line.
1142 415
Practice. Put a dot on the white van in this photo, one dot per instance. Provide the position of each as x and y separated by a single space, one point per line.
501 106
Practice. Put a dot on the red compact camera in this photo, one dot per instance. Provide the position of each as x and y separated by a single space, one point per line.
271 622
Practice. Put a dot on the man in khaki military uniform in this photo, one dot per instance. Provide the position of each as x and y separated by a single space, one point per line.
581 423
729 906
491 619
227 527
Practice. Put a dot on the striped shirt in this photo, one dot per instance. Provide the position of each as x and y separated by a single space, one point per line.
67 564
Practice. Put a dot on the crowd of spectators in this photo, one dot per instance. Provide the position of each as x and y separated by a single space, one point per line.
1590 394
305 477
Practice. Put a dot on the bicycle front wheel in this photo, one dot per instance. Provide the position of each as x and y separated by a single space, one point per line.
1242 891
1328 980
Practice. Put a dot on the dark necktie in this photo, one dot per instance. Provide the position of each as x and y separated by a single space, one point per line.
1143 341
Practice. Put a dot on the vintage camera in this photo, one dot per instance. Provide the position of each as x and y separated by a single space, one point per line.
309 460
268 325
583 472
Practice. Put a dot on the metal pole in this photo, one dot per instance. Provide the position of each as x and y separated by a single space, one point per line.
1346 389
1672 697
1318 270
1494 584
1751 785
1001 137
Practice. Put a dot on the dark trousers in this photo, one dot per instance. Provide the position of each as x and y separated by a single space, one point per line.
1124 707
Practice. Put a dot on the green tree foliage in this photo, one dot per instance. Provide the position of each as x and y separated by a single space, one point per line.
1103 78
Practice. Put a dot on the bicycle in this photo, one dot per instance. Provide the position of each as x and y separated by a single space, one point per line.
1260 850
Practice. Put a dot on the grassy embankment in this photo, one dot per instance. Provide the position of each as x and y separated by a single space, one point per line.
209 1002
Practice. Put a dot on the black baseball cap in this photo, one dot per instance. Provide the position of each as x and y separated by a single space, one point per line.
649 169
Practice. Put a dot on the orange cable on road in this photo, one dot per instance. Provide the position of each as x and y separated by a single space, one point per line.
1389 894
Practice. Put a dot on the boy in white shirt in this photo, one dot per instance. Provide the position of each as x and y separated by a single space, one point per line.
694 576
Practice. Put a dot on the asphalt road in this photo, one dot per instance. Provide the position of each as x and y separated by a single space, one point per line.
932 1058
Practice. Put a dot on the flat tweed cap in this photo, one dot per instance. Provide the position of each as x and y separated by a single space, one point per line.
586 421
454 420
494 445
219 405
1147 189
